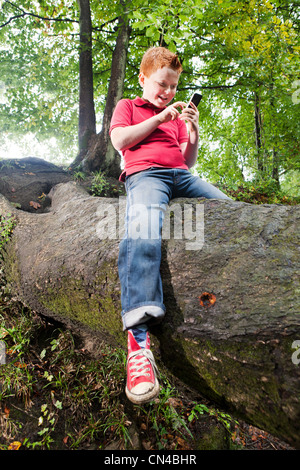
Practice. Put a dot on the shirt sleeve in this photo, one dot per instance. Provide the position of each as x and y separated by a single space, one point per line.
122 115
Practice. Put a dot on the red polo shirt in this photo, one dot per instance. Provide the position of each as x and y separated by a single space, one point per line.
159 149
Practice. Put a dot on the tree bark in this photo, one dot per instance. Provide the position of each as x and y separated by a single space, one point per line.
87 118
101 154
232 321
258 135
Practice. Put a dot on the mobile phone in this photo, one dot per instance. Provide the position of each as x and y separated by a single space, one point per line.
196 98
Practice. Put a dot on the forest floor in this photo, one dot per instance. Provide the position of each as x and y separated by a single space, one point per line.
56 395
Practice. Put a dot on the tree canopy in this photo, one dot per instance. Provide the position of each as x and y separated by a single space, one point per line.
244 56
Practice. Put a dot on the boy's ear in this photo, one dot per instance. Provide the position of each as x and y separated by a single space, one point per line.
141 79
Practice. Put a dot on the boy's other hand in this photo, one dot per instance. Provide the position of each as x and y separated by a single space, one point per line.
191 115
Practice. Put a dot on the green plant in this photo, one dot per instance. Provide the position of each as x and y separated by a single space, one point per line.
100 185
17 380
79 175
16 335
198 409
89 432
259 192
163 418
223 418
7 224
47 419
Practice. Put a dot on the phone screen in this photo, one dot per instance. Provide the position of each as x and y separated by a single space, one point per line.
196 98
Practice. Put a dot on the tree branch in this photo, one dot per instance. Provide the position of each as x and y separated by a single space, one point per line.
207 87
11 19
25 13
46 18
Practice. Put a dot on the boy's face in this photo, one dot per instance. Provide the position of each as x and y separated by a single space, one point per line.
160 87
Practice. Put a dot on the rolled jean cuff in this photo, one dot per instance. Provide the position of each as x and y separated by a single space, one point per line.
151 314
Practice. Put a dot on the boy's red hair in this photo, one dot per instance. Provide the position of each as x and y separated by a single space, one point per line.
158 57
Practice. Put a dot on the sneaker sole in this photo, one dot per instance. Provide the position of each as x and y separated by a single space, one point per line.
145 397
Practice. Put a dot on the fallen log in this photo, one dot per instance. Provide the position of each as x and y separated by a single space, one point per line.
232 323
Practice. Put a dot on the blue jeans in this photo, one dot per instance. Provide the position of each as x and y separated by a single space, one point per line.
148 195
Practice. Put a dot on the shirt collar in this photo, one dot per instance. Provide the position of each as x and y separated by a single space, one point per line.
141 102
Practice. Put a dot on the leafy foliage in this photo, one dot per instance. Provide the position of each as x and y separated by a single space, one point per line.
99 185
244 56
263 192
7 224
37 68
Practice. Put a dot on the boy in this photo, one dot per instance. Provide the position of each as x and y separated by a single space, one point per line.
159 145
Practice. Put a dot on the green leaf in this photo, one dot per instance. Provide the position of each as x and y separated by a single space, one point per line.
58 404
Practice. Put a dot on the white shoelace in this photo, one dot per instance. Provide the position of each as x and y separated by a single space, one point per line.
139 363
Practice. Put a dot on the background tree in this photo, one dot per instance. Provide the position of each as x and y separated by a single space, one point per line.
254 49
101 154
244 56
39 77
87 118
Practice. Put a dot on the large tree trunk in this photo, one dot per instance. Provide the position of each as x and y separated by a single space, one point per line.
87 118
232 302
101 154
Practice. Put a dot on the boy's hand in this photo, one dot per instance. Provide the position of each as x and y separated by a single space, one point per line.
171 112
191 115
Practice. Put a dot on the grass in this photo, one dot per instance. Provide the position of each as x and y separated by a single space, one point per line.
56 395
7 224
71 398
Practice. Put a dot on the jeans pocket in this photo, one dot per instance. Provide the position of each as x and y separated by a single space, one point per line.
134 178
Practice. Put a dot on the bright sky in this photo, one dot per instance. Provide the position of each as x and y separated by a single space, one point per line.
29 146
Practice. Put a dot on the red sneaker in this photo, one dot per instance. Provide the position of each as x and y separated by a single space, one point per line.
142 384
